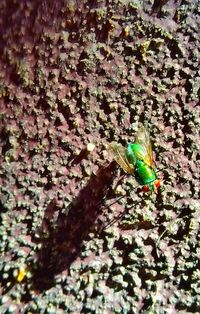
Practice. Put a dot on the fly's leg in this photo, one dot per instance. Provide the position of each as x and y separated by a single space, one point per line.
114 188
114 220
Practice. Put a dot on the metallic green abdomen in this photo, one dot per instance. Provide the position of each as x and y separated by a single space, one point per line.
132 151
144 174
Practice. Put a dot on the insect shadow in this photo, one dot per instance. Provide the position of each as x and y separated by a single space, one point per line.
62 234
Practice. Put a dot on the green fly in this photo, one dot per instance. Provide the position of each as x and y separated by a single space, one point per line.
137 159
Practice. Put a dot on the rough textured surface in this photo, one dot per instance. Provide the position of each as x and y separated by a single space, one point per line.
79 73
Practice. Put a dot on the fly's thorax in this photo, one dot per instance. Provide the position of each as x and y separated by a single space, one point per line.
144 174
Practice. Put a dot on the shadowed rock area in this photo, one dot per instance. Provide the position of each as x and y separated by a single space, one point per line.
77 235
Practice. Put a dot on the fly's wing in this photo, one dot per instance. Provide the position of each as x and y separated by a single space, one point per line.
143 139
119 155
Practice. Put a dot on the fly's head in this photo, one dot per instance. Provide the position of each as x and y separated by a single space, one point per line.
152 187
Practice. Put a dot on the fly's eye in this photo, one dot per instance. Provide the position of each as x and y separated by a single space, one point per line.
145 188
157 183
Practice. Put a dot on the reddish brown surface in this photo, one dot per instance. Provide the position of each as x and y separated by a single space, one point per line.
88 73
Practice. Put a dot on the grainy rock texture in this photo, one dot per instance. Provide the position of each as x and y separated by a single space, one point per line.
74 76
